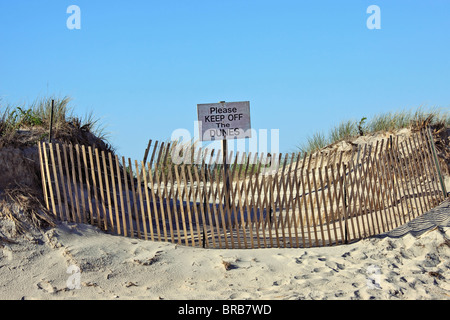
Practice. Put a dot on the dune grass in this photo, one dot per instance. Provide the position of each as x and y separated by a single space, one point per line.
384 122
38 115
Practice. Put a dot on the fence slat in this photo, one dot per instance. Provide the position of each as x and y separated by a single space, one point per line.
200 226
141 202
135 201
311 203
381 177
205 195
361 217
71 214
411 180
108 194
352 196
275 200
272 211
332 216
75 187
44 182
214 177
55 176
173 194
164 213
241 200
325 209
301 186
346 213
434 177
180 199
127 197
319 215
234 186
415 173
286 188
165 197
374 190
188 202
122 203
49 180
88 183
99 198
360 193
405 181
366 190
254 199
436 163
114 190
80 180
396 179
423 168
337 192
246 183
387 190
147 201
212 194
226 193
291 200
265 207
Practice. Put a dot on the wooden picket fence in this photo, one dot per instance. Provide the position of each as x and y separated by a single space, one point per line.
259 201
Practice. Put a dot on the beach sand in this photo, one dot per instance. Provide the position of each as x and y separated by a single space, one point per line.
76 261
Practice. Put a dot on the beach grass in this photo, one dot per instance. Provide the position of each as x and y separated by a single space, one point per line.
38 115
383 122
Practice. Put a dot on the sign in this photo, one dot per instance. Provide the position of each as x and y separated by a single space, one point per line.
224 120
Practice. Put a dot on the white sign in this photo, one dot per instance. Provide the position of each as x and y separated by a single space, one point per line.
224 120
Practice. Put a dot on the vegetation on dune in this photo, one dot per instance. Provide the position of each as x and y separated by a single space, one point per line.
385 122
25 125
21 127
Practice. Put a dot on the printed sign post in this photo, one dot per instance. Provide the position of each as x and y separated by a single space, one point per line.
224 121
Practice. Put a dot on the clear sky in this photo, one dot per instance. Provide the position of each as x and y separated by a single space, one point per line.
143 66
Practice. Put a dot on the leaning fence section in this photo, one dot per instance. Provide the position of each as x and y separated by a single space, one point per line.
251 201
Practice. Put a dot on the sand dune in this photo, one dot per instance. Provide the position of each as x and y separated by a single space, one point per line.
76 261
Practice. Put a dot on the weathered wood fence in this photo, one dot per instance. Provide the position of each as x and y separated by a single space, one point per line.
290 200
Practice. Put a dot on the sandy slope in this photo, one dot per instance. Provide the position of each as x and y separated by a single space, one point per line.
411 262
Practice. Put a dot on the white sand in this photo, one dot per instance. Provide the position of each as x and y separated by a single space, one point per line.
411 262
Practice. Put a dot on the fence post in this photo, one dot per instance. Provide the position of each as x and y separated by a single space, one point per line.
438 168
51 122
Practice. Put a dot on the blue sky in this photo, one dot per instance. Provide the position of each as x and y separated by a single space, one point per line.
143 66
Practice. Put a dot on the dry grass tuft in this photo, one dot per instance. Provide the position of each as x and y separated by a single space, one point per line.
22 206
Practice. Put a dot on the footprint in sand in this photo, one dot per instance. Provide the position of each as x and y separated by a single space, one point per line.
335 266
46 286
242 296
